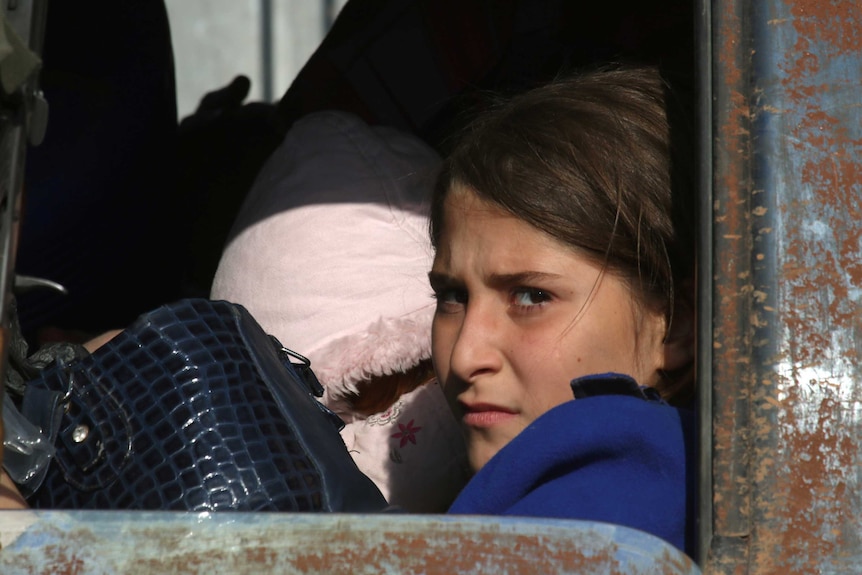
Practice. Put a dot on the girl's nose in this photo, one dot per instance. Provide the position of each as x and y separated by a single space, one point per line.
476 350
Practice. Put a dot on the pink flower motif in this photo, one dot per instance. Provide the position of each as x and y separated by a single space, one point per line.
407 433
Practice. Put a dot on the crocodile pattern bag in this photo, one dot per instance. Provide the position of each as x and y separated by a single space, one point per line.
193 407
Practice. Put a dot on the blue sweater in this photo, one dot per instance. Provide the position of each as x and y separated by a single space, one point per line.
623 457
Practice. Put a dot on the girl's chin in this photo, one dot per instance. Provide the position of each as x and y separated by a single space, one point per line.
481 448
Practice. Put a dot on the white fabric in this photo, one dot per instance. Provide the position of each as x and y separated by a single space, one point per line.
413 451
330 253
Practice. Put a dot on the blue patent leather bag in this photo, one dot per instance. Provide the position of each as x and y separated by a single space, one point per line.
192 407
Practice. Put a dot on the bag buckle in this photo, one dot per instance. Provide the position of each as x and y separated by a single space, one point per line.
303 368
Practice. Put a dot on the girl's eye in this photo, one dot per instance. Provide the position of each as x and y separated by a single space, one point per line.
530 297
450 300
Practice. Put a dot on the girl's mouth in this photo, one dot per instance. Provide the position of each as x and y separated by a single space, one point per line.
483 415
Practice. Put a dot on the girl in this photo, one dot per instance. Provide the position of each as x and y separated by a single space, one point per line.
563 335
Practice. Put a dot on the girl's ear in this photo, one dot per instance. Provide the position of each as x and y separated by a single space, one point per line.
679 342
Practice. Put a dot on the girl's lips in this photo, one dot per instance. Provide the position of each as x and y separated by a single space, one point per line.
485 415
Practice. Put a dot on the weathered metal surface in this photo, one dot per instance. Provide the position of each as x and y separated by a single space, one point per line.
81 543
787 287
703 26
731 290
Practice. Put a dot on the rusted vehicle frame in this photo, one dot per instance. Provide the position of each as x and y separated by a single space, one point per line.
781 334
238 543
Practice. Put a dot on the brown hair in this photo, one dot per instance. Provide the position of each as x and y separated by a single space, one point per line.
597 161
379 393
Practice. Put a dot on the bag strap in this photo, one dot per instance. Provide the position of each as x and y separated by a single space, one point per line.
31 434
31 416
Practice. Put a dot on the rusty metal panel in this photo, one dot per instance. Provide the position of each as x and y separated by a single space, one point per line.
787 286
118 542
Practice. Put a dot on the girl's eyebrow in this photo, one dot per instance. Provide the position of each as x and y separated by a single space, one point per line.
497 281
520 278
440 280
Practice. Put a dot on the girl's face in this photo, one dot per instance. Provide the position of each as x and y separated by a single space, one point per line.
519 315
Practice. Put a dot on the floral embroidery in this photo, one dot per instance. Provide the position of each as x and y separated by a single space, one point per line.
407 433
387 416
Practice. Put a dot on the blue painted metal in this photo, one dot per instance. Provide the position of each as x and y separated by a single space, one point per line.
786 311
111 542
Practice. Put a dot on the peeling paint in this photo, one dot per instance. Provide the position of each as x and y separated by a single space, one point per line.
803 327
83 543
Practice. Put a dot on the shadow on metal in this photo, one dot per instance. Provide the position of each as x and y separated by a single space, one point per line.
107 542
